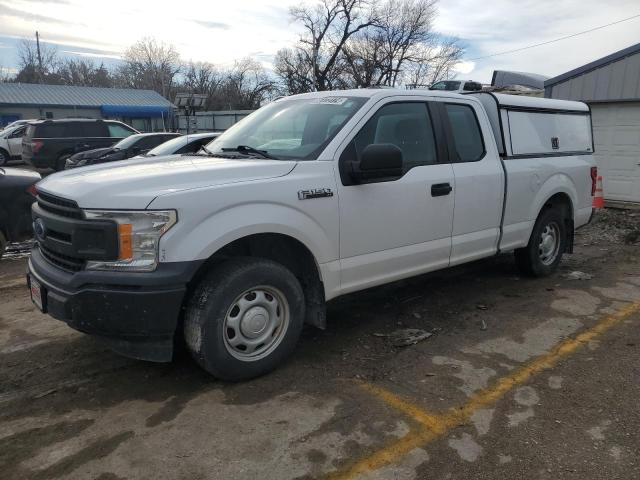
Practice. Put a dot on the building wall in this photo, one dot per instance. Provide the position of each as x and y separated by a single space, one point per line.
57 112
147 124
212 121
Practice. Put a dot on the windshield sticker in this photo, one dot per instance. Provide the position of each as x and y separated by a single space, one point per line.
330 100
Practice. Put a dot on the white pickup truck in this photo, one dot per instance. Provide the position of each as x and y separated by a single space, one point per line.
311 197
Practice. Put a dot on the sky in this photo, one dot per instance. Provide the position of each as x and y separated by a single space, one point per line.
220 31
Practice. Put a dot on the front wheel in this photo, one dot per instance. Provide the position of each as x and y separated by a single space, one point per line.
4 157
548 241
244 318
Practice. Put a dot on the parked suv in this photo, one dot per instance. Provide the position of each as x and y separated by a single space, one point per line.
48 143
131 146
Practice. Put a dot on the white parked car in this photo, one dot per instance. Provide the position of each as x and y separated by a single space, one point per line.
190 143
457 86
11 143
311 197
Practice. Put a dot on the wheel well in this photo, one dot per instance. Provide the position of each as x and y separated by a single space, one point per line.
287 251
563 201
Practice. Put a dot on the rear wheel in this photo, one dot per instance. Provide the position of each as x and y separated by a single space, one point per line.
4 157
3 244
244 318
548 241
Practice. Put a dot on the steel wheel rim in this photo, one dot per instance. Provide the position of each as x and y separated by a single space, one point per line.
549 245
255 323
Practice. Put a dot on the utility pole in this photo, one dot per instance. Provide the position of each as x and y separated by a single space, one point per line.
40 73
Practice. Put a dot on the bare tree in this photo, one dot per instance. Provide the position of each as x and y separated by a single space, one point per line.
150 64
296 72
327 27
365 43
31 68
433 63
246 86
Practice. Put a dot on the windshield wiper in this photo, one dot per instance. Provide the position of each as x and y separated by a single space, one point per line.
248 149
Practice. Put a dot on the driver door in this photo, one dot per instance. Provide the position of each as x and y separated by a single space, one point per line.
392 229
14 142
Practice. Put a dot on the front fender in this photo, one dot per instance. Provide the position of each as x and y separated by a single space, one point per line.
203 239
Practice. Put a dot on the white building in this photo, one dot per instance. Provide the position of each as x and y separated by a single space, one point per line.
611 87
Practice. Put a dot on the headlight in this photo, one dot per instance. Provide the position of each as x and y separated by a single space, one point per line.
138 238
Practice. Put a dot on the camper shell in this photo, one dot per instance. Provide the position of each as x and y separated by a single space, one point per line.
535 127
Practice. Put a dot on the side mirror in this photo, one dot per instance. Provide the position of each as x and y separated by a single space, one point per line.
380 161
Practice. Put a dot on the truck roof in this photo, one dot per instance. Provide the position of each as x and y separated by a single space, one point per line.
502 99
376 93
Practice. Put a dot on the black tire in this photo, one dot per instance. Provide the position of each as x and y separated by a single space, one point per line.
61 162
3 244
530 258
212 305
4 157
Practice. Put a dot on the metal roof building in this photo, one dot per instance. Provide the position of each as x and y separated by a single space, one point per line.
611 86
145 110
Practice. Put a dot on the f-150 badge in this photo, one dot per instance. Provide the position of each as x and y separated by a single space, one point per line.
314 193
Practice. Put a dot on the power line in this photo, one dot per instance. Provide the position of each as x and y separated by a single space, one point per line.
556 40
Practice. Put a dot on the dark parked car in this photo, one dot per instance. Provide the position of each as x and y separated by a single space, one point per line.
129 147
48 143
17 193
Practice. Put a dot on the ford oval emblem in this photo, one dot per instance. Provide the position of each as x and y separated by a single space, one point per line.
39 229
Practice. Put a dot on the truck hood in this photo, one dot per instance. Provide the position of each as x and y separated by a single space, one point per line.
134 184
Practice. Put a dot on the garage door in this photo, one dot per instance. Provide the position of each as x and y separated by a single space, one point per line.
616 128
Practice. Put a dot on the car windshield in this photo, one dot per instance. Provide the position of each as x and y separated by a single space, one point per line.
126 142
298 128
168 147
446 85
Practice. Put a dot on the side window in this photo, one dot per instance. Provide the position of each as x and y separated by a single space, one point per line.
52 130
467 136
19 132
406 125
117 130
94 129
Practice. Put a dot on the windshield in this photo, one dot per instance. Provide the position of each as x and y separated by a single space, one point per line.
168 147
290 129
126 142
447 85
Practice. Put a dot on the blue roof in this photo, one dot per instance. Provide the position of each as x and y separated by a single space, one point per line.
82 97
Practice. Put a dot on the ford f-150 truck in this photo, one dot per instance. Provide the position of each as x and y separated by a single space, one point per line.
311 197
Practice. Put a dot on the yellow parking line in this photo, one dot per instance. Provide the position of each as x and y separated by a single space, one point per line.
433 426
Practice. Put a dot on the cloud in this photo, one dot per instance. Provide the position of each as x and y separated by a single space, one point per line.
211 24
6 10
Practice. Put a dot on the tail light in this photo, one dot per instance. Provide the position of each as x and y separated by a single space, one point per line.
36 145
31 190
594 178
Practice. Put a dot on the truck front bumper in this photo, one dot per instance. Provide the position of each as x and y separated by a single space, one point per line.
135 314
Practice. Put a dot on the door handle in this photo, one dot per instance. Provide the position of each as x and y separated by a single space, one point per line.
440 189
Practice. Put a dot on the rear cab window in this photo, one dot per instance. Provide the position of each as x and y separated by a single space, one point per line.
465 131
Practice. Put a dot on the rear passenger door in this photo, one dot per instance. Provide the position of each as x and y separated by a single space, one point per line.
479 181
398 228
